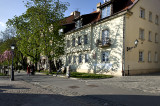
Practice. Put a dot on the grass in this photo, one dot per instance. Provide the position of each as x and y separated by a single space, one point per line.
89 76
2 74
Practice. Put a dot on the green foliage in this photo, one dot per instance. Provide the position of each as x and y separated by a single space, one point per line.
89 76
2 74
37 29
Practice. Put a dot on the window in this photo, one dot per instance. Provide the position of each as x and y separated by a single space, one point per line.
156 20
150 36
141 34
74 59
79 40
68 43
156 38
85 39
105 56
156 57
105 35
142 13
80 58
78 24
69 59
149 56
141 56
106 0
150 16
60 31
106 11
73 42
86 58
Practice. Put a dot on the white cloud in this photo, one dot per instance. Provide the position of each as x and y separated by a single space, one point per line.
2 26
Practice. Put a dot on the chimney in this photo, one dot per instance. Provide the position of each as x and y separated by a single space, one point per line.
98 7
76 14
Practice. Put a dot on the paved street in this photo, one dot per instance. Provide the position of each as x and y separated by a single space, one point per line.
42 90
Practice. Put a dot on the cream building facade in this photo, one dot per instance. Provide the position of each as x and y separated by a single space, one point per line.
103 42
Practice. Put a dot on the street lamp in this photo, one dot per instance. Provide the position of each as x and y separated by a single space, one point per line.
135 45
12 74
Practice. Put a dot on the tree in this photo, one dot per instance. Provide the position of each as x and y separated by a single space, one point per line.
37 29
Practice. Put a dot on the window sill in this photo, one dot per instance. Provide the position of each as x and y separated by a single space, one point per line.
156 42
156 23
141 39
149 61
149 41
142 18
141 61
156 62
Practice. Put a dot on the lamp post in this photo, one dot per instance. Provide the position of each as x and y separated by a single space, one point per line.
136 43
12 74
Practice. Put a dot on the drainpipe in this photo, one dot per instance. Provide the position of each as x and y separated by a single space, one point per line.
123 51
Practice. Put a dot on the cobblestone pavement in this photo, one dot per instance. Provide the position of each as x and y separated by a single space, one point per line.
40 90
22 93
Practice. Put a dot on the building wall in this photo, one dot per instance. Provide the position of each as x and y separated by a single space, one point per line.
94 32
133 24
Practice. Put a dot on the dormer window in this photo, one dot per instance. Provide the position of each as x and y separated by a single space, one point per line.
78 24
106 11
60 31
106 0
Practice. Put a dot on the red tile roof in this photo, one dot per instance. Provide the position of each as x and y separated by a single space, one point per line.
121 5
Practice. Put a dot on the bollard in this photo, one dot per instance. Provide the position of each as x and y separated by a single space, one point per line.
67 72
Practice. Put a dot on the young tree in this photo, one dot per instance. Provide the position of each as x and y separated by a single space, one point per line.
37 29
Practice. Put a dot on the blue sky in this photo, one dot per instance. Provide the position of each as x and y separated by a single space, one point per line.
10 8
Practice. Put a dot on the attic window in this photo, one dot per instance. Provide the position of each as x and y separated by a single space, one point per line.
106 11
60 31
106 0
78 24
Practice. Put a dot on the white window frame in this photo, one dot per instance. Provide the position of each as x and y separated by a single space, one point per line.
141 34
80 58
149 56
142 13
106 11
150 16
156 57
105 35
85 39
69 59
156 38
150 36
74 59
79 40
157 20
105 56
73 42
86 58
141 56
78 24
68 43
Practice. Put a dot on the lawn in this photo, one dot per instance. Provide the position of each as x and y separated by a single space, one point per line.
1 74
89 76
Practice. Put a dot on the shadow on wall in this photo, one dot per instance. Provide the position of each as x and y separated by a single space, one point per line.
115 51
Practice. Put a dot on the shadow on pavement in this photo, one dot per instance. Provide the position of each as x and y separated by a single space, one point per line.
10 99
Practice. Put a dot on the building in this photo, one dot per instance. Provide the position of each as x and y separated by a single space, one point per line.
121 36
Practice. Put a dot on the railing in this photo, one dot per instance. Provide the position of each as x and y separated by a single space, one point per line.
103 43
